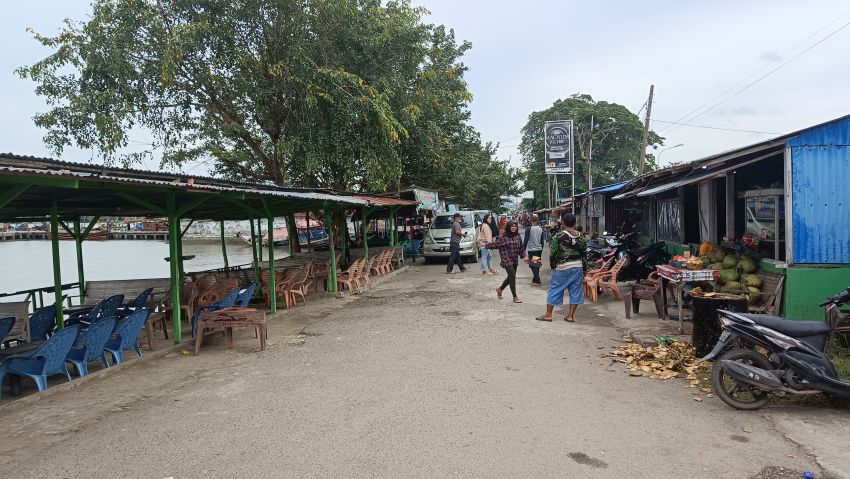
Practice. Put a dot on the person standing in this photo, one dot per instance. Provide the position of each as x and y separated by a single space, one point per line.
509 245
485 235
566 257
454 245
533 246
503 221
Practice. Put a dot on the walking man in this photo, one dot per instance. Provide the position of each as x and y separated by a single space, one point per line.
454 245
566 258
533 246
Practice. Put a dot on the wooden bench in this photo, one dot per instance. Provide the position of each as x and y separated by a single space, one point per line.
771 293
20 311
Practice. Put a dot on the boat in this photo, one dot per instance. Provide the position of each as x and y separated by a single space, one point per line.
318 236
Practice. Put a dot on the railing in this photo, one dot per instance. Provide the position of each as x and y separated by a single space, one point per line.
36 296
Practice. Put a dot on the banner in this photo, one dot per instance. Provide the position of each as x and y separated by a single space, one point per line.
559 146
428 200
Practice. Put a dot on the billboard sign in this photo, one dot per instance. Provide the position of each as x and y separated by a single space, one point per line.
559 146
428 200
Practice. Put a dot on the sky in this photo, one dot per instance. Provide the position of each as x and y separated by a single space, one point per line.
525 55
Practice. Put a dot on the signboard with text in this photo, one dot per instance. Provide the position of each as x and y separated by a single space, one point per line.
558 147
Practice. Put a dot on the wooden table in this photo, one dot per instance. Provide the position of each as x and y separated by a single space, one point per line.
230 318
680 277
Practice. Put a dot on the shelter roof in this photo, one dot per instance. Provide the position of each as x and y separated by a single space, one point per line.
81 189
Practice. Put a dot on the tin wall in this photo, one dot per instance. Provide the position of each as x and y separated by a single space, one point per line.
820 173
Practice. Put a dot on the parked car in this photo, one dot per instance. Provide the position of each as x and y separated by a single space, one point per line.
439 234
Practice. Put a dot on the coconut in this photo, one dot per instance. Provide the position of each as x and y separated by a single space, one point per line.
716 255
730 261
752 280
733 286
727 275
747 265
753 290
717 266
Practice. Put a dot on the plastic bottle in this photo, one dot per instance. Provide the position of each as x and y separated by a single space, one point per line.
808 475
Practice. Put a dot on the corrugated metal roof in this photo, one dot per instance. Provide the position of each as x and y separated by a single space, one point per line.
375 200
79 171
820 173
607 188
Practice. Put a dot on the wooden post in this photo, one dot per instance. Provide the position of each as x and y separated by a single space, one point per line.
309 235
730 205
223 244
645 139
272 292
81 277
364 227
681 191
57 271
174 265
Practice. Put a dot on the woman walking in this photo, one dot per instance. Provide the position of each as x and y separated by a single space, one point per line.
509 245
485 236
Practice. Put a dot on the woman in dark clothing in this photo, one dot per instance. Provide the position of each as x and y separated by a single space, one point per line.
509 245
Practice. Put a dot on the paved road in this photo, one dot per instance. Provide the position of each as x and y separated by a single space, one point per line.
428 376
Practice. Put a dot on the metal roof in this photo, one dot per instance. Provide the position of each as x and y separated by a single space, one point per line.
606 188
87 190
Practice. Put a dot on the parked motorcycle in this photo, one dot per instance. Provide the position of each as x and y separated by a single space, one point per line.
795 363
640 260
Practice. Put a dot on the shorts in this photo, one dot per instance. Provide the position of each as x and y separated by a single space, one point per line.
566 280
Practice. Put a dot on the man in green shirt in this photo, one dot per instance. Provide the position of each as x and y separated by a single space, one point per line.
566 258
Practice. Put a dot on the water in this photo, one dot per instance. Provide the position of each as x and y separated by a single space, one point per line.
29 264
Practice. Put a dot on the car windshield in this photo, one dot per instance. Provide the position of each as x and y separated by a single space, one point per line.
445 222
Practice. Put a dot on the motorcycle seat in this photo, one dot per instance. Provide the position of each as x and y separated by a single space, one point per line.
790 327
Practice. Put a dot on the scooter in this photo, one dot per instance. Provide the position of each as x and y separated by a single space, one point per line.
795 363
640 260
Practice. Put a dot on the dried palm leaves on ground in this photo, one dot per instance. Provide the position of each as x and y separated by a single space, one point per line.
667 360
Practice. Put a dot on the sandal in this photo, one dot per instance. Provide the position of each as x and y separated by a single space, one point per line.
499 293
517 300
544 318
569 319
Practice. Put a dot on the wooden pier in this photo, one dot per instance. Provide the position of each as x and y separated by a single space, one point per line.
22 235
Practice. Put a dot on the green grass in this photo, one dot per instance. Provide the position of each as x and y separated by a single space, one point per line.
838 350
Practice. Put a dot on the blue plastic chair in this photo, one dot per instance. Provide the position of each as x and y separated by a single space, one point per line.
89 346
47 360
6 325
107 308
245 296
42 323
227 302
139 302
126 335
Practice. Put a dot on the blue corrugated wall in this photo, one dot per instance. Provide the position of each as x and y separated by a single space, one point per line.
820 173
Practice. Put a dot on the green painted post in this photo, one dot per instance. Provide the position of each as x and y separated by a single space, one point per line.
364 227
174 264
57 272
180 265
272 292
260 238
81 276
223 245
392 227
343 235
254 251
329 224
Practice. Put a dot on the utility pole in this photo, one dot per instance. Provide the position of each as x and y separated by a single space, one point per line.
646 129
590 157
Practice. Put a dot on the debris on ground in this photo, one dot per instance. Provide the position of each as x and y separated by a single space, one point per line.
667 360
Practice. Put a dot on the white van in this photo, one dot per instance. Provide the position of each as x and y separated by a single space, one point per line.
439 234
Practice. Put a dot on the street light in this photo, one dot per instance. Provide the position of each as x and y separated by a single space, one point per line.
665 149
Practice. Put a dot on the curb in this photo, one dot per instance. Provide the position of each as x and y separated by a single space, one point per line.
148 356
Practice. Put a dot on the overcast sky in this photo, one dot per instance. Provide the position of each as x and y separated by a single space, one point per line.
527 54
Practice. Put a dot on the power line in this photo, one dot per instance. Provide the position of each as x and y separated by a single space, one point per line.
688 117
716 127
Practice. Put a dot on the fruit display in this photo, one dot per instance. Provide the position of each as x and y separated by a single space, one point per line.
693 263
736 274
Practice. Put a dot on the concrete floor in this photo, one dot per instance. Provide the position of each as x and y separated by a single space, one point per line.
426 375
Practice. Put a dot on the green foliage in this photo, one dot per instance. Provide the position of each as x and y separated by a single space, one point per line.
346 94
617 135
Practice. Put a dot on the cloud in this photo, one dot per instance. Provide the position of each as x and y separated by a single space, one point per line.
771 56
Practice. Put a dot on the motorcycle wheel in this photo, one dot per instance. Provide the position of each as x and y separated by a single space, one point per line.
737 394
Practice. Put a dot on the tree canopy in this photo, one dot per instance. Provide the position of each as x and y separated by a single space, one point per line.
617 134
345 94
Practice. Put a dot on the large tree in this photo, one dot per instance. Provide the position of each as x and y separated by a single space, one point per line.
617 136
345 94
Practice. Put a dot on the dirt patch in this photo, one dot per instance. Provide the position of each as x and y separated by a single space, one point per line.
739 438
772 472
451 313
583 458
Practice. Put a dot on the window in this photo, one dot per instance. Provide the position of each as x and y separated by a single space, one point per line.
668 220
